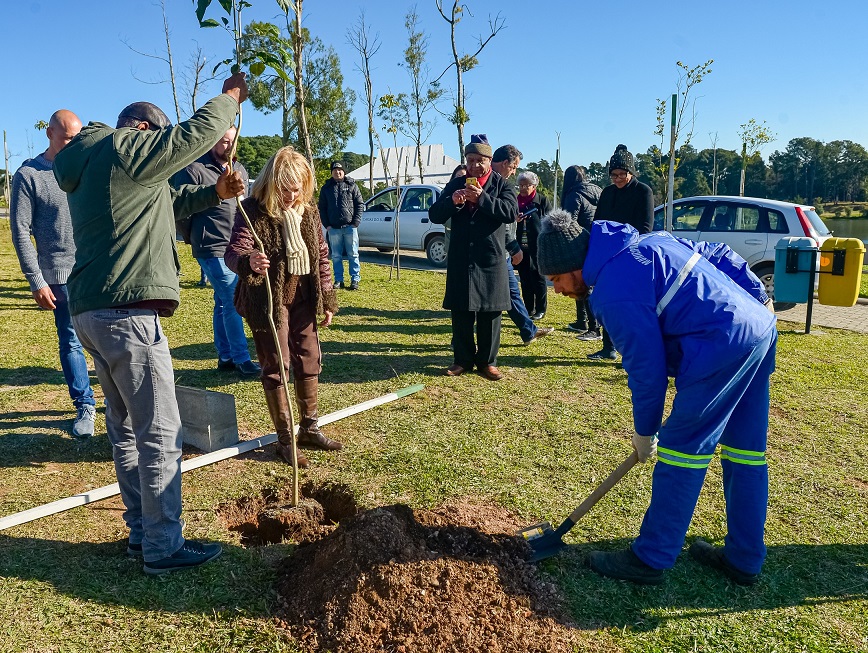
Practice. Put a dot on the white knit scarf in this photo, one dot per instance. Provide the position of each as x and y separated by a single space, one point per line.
297 257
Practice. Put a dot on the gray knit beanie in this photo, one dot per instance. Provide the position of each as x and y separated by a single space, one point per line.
562 244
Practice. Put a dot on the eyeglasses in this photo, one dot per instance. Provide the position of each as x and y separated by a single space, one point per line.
525 185
618 175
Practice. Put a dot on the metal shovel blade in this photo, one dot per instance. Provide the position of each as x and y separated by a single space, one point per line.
546 542
542 540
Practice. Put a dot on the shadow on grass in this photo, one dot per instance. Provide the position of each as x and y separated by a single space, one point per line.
18 292
31 375
238 582
20 419
793 575
24 441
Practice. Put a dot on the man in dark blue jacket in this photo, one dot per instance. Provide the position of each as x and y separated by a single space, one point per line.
340 210
693 311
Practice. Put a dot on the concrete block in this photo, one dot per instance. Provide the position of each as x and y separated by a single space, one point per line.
208 419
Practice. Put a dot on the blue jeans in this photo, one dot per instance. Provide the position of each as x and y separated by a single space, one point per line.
344 243
134 367
72 360
517 310
229 338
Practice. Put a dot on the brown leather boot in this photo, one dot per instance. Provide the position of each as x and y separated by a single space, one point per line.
279 409
308 430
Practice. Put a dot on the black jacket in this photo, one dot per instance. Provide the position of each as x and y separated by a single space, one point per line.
476 277
581 200
528 229
340 203
207 231
633 205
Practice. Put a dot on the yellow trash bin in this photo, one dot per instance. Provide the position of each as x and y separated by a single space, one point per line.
840 271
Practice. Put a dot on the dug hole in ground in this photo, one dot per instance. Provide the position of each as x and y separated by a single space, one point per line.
454 578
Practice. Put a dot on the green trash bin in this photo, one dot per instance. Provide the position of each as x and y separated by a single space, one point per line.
793 260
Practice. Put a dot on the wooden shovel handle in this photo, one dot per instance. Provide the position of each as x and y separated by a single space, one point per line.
604 487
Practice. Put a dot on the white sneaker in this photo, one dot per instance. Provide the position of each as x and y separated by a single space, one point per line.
82 426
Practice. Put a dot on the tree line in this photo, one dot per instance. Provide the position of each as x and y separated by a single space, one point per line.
805 171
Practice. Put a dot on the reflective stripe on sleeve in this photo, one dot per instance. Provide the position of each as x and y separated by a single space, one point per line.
693 461
679 280
742 456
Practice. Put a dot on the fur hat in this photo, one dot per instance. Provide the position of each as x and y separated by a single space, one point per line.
562 244
622 160
478 145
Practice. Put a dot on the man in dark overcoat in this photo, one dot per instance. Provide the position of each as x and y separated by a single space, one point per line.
480 206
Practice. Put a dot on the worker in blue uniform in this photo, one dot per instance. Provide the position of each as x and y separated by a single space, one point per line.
693 311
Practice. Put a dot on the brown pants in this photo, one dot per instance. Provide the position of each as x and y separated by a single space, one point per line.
299 342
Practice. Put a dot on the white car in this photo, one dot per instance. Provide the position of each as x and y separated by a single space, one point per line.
418 233
750 226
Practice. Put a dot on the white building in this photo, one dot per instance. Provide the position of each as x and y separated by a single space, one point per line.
436 166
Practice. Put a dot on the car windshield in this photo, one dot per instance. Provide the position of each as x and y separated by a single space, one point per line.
817 223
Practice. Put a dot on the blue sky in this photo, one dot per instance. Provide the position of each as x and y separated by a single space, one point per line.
592 71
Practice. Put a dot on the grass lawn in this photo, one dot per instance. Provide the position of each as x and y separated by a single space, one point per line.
536 443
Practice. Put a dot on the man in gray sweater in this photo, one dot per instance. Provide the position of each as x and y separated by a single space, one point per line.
39 208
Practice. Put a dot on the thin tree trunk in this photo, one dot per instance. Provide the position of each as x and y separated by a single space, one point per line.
459 101
171 63
298 47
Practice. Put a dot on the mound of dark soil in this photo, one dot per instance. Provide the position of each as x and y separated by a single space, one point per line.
452 579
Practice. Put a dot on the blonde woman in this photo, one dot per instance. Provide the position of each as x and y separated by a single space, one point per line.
296 259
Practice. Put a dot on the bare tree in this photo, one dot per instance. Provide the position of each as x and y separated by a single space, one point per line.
681 126
714 163
753 136
7 173
464 63
423 94
360 38
195 77
165 57
297 36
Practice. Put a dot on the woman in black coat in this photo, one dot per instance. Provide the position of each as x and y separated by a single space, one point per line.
532 206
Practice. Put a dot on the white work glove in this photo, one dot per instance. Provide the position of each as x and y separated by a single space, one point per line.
645 446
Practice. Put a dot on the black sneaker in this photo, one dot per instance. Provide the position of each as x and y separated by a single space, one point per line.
577 326
192 554
713 556
603 355
590 335
354 285
342 286
225 365
249 368
624 565
135 550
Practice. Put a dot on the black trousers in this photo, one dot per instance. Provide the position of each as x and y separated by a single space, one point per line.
533 285
584 315
481 351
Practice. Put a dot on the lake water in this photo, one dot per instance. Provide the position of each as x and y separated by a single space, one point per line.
848 227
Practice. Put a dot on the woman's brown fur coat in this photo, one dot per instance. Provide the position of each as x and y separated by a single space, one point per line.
251 296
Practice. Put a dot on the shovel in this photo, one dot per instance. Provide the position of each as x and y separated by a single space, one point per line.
545 542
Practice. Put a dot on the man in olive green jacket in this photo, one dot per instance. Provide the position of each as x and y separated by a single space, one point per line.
124 278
